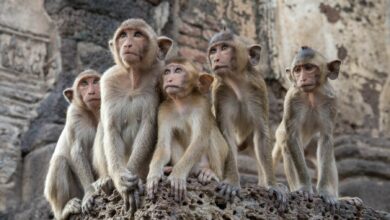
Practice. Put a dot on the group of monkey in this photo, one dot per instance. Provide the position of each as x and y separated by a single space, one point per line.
148 116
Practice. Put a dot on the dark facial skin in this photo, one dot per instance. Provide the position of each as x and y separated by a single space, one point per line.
90 92
175 79
307 76
221 56
132 44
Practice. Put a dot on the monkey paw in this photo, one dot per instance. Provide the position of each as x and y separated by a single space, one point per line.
228 191
104 184
152 185
330 200
280 193
178 187
73 206
206 175
88 202
126 181
131 199
306 193
356 201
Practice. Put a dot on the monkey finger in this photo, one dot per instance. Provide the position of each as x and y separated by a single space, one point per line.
183 189
125 203
136 199
141 187
132 205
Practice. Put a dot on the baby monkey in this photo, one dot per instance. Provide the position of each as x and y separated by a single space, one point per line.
187 131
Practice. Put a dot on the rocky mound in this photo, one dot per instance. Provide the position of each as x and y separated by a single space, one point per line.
202 203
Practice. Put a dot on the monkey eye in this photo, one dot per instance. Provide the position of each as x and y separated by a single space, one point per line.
309 67
297 69
166 72
96 81
224 47
138 34
122 34
178 70
84 82
212 50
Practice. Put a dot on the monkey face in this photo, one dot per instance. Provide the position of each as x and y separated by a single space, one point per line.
176 80
90 92
221 57
307 76
132 44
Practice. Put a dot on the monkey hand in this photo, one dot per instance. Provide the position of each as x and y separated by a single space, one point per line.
178 187
104 184
88 201
330 200
73 206
280 193
227 190
126 181
206 175
131 198
152 184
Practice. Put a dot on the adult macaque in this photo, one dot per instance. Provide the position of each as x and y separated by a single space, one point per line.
70 164
240 102
186 131
130 98
310 109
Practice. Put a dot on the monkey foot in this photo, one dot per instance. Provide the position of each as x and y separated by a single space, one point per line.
280 193
227 191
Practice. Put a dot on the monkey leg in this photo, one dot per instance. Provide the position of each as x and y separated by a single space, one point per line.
62 189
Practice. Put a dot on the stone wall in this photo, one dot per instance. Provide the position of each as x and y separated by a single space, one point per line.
51 41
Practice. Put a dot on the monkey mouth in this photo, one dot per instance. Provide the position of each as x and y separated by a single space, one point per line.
171 86
130 53
308 87
220 67
93 100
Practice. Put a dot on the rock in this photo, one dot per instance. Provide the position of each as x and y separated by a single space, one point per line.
202 203
34 172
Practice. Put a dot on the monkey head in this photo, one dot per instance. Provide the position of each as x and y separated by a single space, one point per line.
136 45
181 78
229 53
85 91
309 69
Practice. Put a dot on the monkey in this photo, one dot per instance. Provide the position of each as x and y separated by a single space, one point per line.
130 98
310 108
240 104
187 132
70 176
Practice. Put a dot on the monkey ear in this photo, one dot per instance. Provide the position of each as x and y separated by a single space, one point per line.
334 69
204 83
164 45
289 76
254 54
111 45
68 94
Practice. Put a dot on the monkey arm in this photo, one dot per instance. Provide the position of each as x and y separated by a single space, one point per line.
327 176
162 154
143 146
196 148
113 145
293 147
263 151
82 166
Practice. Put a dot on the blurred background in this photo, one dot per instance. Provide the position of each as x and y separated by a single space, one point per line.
44 44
